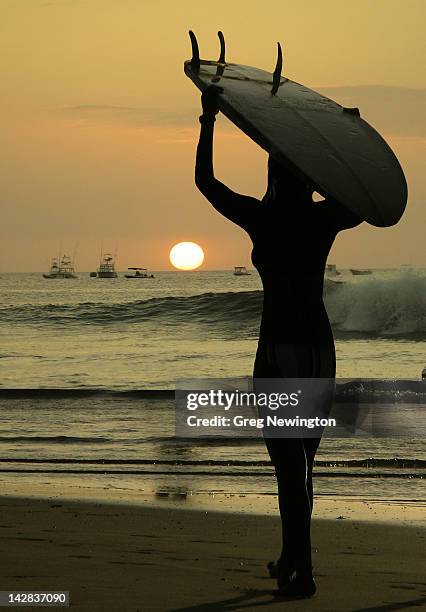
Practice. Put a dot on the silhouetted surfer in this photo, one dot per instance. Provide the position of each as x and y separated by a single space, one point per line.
291 237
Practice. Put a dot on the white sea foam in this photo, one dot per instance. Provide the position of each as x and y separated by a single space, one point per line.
392 306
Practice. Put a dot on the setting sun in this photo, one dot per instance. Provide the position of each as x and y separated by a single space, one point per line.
186 256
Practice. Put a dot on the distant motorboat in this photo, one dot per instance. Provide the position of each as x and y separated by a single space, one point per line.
331 283
106 267
331 270
61 268
241 271
360 272
139 273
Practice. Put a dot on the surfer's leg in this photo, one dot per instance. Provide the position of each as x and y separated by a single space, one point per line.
323 366
265 367
293 458
295 462
290 462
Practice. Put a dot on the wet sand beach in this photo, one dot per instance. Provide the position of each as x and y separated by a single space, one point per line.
113 557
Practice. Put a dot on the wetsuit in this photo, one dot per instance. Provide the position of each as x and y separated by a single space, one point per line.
291 242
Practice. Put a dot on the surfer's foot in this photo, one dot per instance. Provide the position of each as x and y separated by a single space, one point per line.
299 584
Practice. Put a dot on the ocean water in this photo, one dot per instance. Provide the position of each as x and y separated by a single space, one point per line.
126 334
121 335
127 442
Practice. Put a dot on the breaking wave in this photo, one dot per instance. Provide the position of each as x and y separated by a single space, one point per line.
387 307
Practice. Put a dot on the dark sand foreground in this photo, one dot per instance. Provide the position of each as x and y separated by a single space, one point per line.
127 558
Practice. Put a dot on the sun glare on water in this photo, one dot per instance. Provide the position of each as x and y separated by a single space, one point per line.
186 256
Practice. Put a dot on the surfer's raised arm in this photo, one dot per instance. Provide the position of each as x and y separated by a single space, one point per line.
238 208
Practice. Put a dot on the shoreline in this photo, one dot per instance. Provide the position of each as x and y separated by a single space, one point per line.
133 558
327 506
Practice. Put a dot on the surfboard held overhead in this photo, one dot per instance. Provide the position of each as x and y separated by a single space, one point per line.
331 147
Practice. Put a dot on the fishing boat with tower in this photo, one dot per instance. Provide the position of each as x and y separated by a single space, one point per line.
61 267
106 267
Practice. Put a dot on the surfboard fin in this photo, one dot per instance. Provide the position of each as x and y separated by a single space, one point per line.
221 59
276 77
195 60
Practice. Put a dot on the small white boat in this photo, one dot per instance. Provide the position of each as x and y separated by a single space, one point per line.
241 271
63 268
139 273
360 272
331 283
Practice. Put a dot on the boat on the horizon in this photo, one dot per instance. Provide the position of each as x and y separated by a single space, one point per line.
331 270
139 273
61 268
331 283
241 271
106 267
360 272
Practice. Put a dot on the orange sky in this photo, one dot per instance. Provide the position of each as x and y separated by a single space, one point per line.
99 124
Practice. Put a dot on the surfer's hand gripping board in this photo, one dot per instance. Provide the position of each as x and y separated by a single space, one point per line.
209 99
325 144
